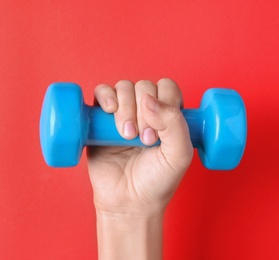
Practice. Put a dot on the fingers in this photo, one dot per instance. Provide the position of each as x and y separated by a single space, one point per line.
131 105
120 101
126 114
173 132
169 92
105 96
147 134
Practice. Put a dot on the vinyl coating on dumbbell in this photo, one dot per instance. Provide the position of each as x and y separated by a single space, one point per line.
218 128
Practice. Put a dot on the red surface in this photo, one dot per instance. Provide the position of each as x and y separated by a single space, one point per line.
48 213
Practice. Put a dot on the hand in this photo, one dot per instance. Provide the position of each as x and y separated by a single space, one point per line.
140 181
133 185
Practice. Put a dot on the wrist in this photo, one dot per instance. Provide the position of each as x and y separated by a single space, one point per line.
129 209
119 213
129 236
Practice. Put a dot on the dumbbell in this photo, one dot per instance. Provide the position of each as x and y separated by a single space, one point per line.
217 129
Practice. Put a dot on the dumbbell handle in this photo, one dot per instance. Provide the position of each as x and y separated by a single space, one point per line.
100 129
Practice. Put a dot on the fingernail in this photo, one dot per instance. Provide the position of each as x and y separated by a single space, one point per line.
149 136
111 103
152 104
129 129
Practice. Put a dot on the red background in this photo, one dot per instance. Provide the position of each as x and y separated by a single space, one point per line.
48 213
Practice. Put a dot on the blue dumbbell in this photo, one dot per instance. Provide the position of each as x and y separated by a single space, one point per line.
218 128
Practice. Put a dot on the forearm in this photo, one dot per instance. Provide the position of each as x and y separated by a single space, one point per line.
125 237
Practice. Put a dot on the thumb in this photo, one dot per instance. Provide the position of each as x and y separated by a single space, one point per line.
172 129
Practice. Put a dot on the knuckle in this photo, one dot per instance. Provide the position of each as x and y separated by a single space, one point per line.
144 82
100 87
170 91
166 81
170 84
124 83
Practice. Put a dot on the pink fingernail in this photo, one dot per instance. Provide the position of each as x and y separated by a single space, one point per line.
129 129
149 136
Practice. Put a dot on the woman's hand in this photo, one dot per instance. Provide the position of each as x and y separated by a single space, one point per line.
136 183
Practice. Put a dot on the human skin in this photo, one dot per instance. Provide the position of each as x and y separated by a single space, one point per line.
133 185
